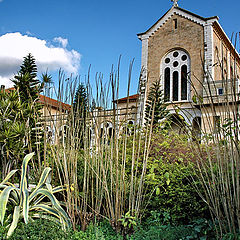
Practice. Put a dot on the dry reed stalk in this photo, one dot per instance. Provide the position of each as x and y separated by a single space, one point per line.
106 190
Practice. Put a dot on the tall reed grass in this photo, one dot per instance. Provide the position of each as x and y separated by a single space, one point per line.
92 160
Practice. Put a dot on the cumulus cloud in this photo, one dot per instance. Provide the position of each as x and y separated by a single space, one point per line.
15 46
62 41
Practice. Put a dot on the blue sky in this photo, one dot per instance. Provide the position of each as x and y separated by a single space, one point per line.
97 32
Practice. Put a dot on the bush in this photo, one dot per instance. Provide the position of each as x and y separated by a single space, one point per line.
153 228
101 230
39 229
169 181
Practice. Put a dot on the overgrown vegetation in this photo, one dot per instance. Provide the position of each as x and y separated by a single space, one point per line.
119 181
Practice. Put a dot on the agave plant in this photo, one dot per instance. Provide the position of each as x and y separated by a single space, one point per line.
27 204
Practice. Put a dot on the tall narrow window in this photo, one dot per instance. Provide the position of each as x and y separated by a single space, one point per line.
175 86
175 24
184 82
167 84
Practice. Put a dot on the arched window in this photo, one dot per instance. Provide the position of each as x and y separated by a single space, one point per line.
176 76
106 130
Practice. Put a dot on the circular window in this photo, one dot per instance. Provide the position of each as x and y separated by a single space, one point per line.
175 54
175 64
184 57
167 60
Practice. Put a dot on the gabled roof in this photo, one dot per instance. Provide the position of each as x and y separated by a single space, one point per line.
132 98
54 103
179 11
49 101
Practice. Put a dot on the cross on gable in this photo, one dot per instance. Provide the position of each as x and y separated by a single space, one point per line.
175 2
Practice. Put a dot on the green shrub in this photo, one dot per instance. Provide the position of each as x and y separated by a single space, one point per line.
3 232
169 181
166 232
40 229
101 230
152 228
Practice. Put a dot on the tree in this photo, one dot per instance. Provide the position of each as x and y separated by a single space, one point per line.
155 102
29 88
80 106
26 80
12 130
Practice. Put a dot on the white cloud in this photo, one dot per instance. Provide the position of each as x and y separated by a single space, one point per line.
62 41
15 46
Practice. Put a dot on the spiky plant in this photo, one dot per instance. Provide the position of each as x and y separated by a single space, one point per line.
30 204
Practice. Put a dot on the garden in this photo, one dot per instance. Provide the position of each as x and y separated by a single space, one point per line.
137 181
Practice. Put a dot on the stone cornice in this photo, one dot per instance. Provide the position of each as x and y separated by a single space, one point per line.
168 15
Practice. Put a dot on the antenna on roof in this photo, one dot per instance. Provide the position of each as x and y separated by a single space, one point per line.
175 3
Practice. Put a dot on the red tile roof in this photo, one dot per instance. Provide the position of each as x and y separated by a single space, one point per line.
132 98
50 101
54 103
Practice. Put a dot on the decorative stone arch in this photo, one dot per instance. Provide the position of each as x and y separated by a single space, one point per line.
127 126
106 130
175 70
177 123
196 128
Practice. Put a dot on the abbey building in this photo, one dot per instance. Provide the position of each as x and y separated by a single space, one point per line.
193 58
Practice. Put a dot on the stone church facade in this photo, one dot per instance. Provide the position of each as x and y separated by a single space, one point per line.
197 66
192 56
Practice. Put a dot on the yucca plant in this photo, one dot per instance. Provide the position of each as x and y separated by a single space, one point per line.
28 204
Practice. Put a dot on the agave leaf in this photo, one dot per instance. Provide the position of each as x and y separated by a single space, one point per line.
16 215
13 201
51 218
46 208
3 202
8 176
23 182
25 204
55 204
24 171
49 187
59 189
41 182
54 190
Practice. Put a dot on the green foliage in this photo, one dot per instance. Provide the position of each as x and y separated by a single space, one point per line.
169 180
156 228
127 220
12 128
80 100
101 230
155 102
80 106
25 81
28 204
40 229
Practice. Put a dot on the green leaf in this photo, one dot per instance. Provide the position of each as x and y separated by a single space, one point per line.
23 183
3 202
16 215
157 191
25 205
41 182
8 176
45 208
55 204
